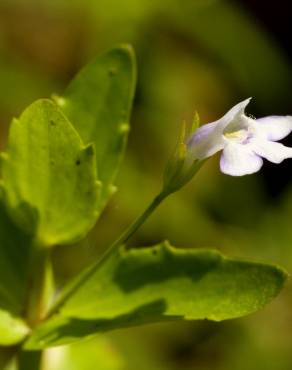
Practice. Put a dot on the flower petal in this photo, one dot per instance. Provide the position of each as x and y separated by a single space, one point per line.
235 111
274 128
239 160
208 139
273 152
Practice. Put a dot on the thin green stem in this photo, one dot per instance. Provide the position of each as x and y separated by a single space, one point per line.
125 236
40 282
39 292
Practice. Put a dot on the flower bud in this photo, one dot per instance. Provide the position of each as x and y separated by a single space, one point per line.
181 168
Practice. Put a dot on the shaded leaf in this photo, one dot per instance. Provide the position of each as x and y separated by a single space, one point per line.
14 254
14 259
155 284
49 176
98 103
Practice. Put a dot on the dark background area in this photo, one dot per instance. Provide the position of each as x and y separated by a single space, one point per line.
276 19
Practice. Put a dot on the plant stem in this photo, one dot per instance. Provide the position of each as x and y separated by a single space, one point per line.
40 283
125 236
29 360
39 292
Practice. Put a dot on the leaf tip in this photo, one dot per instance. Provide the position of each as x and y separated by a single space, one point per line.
128 49
166 245
127 54
89 150
283 275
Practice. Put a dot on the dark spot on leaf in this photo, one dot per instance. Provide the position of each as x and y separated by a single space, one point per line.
78 162
52 123
112 72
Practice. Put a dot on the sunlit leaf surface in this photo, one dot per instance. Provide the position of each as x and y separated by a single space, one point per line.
157 284
49 176
98 103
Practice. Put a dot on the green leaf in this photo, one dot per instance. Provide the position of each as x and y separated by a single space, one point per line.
98 103
14 254
155 284
12 330
14 258
49 177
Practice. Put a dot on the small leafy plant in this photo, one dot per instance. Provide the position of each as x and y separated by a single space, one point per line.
58 174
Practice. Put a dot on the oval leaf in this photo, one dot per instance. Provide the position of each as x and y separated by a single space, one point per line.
98 103
155 284
49 176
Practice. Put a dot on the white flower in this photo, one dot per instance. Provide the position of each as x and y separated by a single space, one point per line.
243 140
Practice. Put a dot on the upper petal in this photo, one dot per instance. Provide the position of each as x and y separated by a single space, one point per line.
239 160
235 112
208 139
274 128
273 152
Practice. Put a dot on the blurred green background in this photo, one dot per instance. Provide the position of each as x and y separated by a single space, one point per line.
203 55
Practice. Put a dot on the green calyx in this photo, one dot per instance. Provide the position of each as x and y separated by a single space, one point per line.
181 168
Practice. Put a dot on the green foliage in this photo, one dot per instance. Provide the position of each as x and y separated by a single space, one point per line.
12 329
156 284
59 154
14 255
14 252
98 103
195 284
49 176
